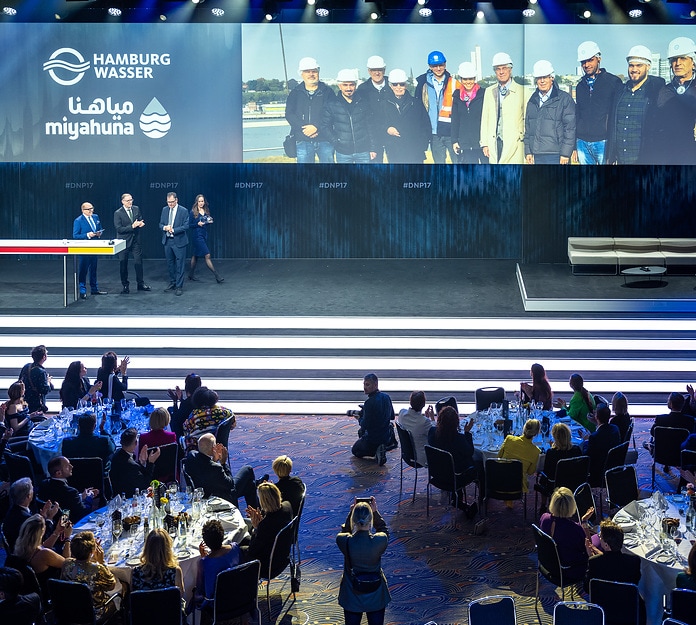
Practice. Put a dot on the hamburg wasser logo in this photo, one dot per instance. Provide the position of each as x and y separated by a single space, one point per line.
154 120
60 66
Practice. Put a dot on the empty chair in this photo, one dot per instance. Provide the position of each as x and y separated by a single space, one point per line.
493 610
684 605
446 401
236 593
620 601
408 456
577 613
156 607
484 397
442 475
667 449
622 485
72 604
279 560
166 465
295 556
549 564
88 473
504 481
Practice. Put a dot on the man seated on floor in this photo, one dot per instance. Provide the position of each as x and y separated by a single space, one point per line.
291 487
56 488
675 419
610 563
418 424
127 473
209 470
22 506
87 444
375 433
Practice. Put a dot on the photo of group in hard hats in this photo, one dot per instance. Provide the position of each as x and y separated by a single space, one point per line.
486 94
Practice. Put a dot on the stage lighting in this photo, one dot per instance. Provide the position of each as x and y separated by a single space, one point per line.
425 12
217 11
635 13
198 1
586 14
422 2
480 15
533 1
114 12
322 12
11 11
529 12
311 2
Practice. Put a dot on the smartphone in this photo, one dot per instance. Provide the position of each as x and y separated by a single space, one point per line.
152 450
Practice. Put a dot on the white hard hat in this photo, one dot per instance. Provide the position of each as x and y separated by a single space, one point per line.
347 75
307 63
397 75
542 68
501 58
588 49
682 46
376 62
466 70
640 53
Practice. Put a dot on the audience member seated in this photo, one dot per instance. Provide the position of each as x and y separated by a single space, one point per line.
46 562
419 424
267 520
581 405
127 473
56 488
108 374
87 444
182 408
676 418
569 535
158 567
22 506
598 444
215 557
87 567
291 487
209 470
621 419
561 448
446 435
206 416
687 579
17 609
159 419
76 386
540 389
610 563
522 448
17 414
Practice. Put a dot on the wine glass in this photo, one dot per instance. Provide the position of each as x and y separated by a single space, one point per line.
676 535
116 529
544 430
100 520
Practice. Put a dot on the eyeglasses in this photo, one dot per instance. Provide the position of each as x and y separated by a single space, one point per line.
398 84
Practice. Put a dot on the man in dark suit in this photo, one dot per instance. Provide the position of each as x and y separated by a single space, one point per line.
209 470
87 444
174 224
128 220
87 227
598 444
23 505
56 488
127 473
676 418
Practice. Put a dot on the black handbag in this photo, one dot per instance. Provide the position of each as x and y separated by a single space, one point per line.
290 146
362 582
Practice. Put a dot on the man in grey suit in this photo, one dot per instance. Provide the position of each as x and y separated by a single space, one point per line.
128 220
174 223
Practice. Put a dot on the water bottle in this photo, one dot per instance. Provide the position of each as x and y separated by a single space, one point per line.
691 516
507 422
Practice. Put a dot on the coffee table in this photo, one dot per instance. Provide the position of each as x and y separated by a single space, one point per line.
643 272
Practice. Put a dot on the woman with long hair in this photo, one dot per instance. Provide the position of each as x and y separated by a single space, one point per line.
540 389
581 403
158 567
621 419
76 385
46 562
362 549
199 220
108 374
17 413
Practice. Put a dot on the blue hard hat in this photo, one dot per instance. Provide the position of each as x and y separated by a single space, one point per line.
436 58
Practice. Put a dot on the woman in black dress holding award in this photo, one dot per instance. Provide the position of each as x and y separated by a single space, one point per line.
198 228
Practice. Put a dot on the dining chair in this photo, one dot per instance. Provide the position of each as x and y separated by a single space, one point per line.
446 401
688 459
222 433
88 473
73 605
443 476
295 557
237 593
488 395
667 447
279 560
577 613
494 609
549 564
622 485
504 482
408 456
683 604
161 606
619 600
584 500
19 466
570 472
166 466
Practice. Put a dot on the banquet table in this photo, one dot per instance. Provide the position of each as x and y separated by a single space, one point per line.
660 561
123 554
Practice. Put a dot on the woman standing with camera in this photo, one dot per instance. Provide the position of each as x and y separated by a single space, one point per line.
363 585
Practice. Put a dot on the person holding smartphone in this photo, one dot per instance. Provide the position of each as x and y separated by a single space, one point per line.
87 227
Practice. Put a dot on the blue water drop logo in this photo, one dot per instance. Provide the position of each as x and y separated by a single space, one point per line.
154 120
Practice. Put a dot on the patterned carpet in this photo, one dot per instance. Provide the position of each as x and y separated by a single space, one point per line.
433 569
